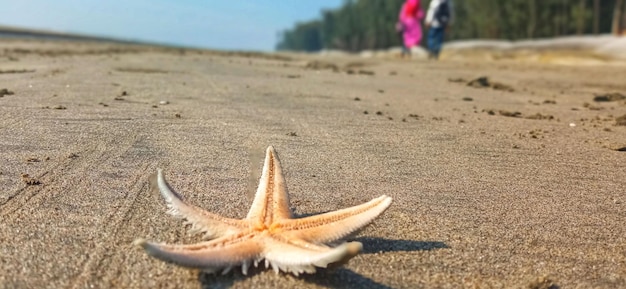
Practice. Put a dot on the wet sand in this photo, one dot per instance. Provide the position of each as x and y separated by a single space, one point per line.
514 181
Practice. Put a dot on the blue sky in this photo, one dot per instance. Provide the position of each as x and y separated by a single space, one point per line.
219 24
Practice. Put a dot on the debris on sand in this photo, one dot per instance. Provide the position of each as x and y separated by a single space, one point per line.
543 283
28 180
592 107
615 96
483 82
120 97
350 68
366 72
500 86
140 70
621 120
57 107
456 80
510 113
16 71
33 160
540 116
517 114
321 65
5 91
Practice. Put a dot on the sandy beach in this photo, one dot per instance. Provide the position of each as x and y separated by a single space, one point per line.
504 174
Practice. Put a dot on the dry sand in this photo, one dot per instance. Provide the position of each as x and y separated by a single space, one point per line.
492 188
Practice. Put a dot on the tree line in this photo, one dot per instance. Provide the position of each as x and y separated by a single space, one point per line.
370 24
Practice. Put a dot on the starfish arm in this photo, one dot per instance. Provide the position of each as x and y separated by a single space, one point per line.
298 256
334 226
271 201
211 256
211 225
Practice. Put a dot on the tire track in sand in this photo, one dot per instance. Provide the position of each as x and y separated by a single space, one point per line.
68 222
111 245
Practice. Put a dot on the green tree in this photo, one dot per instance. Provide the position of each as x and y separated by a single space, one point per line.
370 24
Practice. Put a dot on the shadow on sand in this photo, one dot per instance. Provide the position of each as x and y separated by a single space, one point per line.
331 278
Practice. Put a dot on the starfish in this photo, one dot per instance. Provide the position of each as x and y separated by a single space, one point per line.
269 232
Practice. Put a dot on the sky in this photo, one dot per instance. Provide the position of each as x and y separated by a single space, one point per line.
217 24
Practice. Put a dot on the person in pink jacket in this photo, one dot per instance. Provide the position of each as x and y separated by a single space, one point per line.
410 18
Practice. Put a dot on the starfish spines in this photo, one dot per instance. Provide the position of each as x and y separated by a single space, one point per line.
208 256
333 226
296 259
201 221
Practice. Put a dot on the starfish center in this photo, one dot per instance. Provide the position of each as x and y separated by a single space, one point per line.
260 227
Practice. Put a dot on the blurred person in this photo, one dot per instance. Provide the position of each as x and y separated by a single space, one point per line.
438 20
409 25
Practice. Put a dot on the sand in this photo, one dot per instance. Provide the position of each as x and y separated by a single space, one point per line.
519 183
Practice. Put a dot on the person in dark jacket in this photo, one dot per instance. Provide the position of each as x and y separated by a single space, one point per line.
438 20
